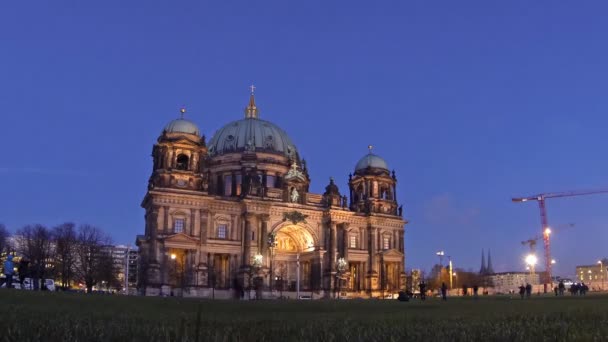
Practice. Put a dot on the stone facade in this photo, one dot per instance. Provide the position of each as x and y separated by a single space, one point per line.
235 214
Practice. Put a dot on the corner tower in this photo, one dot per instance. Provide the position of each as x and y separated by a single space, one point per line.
177 156
372 187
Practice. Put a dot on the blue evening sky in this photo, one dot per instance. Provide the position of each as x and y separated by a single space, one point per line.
471 102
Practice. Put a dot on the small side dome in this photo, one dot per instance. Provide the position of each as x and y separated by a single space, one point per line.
371 160
182 126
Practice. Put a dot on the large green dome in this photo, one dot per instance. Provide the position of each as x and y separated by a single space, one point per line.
251 134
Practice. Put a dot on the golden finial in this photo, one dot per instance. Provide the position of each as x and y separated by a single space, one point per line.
252 110
182 111
370 147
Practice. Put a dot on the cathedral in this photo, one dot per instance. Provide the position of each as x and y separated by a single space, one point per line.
234 216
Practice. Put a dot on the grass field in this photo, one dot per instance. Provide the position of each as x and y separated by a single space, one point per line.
29 316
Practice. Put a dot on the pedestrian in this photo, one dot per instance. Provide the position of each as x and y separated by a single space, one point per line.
22 270
444 290
562 287
555 289
9 271
475 290
522 291
528 290
465 289
422 287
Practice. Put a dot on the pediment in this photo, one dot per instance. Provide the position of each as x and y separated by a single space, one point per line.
392 253
180 239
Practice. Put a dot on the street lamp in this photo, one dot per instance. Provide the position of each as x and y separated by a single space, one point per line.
341 266
272 243
257 262
440 254
531 260
601 272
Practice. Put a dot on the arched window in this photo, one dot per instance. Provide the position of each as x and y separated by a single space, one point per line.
182 162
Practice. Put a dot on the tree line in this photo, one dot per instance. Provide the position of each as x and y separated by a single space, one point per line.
66 253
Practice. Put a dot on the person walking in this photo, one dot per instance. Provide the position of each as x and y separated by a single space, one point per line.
444 291
522 291
475 291
528 290
422 287
9 271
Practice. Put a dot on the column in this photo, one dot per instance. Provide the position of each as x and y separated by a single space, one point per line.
203 225
193 222
264 234
345 240
334 246
211 270
234 227
247 239
153 231
373 232
165 220
395 240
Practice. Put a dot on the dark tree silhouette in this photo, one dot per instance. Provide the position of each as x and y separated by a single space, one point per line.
65 239
34 243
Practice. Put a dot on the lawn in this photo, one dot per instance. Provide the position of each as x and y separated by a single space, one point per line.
43 316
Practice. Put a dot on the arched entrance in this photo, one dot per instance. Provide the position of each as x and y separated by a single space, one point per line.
295 260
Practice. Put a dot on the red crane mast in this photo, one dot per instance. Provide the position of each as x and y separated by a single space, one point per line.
546 231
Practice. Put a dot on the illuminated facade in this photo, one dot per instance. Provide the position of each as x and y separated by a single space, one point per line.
594 275
511 281
237 208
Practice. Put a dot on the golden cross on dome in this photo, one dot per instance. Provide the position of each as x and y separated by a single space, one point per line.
370 147
182 111
252 87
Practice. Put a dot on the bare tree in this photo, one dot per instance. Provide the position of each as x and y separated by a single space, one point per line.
65 239
91 256
34 243
4 235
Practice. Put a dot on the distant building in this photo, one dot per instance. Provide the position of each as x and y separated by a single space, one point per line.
506 282
593 275
119 254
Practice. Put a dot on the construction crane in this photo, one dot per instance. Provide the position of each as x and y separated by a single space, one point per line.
533 241
546 231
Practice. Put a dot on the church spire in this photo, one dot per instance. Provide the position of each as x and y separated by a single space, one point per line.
483 269
252 110
489 268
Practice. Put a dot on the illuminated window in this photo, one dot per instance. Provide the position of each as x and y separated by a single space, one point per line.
228 185
352 241
238 185
386 242
178 226
222 231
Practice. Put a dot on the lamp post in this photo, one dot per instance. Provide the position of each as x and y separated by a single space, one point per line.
440 254
450 270
257 262
601 272
211 274
272 243
341 266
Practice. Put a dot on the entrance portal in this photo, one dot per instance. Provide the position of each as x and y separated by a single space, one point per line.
294 261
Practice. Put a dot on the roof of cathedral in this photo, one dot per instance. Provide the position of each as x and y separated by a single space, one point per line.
251 134
182 125
371 160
